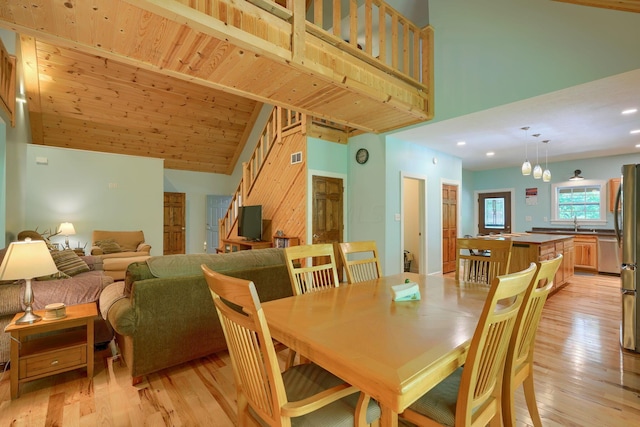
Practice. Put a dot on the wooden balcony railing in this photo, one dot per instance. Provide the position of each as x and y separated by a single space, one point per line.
8 82
375 32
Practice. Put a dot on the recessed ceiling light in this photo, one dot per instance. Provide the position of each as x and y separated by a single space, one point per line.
461 143
633 132
490 153
637 145
630 111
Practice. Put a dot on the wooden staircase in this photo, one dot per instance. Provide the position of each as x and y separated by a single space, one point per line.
270 178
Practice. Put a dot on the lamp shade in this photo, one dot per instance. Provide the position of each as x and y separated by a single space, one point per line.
26 260
66 229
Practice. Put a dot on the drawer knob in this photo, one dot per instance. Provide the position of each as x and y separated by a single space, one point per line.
54 362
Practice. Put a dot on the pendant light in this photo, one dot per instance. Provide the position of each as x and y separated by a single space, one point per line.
526 166
546 175
537 169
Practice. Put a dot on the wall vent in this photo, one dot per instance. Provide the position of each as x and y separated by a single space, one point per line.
296 158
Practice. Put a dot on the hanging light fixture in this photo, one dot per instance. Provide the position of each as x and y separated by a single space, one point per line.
537 169
526 166
546 175
576 175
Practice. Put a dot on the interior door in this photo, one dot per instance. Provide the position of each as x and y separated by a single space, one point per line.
494 213
174 223
327 220
449 227
216 209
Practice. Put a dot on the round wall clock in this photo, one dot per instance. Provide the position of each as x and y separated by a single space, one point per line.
362 155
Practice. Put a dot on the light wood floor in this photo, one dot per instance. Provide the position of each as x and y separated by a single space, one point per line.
582 378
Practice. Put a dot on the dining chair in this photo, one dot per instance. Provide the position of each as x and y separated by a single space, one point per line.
360 260
311 267
470 396
480 260
308 393
519 363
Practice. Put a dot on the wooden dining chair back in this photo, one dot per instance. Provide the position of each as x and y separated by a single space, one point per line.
311 267
262 390
360 260
470 395
519 363
480 260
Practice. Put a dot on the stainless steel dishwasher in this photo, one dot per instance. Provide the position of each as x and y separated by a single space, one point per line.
609 255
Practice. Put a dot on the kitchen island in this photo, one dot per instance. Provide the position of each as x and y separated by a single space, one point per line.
528 248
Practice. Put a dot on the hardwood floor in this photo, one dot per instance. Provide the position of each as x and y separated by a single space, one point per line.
582 378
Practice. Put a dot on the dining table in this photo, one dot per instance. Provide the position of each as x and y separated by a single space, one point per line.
394 351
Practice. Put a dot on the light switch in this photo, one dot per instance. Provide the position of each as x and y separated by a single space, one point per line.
397 217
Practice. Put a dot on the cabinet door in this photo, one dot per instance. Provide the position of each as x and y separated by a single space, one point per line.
586 252
614 184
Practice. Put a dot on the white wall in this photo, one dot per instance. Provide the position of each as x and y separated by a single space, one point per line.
94 191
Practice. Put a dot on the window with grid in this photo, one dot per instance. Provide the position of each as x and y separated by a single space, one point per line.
583 201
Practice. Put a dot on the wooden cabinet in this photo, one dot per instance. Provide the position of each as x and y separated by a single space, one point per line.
523 253
614 184
285 241
586 252
235 245
49 347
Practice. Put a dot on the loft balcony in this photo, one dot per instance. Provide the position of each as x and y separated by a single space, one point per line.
185 80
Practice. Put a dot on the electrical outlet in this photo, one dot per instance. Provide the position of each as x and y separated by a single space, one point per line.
397 217
545 219
527 218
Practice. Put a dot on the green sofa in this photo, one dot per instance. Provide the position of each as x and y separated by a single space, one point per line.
165 315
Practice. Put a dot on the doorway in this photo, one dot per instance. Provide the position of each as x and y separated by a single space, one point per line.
327 214
217 207
174 223
413 243
449 227
494 212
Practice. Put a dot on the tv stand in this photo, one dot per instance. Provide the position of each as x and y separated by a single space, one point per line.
235 245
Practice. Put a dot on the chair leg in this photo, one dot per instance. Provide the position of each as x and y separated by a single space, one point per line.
291 359
530 397
508 403
361 410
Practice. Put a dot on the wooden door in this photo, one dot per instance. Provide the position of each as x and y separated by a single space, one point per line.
449 227
494 213
327 220
174 223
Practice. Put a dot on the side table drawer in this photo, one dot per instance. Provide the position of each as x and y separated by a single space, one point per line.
46 363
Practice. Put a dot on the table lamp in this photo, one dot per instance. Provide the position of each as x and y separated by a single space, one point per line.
66 229
26 260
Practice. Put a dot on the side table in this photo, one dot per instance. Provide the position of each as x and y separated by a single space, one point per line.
67 345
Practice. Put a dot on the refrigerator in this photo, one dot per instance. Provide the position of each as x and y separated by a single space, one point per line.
626 227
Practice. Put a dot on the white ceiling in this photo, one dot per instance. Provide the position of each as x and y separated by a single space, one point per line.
583 121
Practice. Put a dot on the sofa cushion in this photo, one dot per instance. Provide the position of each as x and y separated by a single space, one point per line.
69 262
109 246
128 240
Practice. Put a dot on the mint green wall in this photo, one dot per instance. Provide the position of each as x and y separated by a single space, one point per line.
94 191
602 168
493 52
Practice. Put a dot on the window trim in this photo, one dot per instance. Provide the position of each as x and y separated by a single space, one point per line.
573 184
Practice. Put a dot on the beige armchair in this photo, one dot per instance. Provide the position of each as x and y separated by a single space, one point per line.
118 249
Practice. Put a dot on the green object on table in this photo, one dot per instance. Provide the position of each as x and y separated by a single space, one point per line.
407 280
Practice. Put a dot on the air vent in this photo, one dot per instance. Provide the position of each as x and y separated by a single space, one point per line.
296 158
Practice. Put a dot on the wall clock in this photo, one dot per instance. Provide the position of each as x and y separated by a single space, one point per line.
362 155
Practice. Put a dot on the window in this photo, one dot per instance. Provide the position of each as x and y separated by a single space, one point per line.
581 201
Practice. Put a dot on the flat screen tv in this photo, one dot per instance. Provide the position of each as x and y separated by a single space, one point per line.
250 222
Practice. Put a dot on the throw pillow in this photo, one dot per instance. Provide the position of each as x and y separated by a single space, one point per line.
55 276
109 246
69 262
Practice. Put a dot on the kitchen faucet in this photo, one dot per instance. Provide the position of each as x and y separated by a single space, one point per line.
575 223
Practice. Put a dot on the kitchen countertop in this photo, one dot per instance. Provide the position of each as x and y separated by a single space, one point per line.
531 238
582 231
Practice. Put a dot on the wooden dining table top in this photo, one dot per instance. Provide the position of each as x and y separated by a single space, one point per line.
393 351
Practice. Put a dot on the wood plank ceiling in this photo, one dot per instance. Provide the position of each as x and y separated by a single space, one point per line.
178 80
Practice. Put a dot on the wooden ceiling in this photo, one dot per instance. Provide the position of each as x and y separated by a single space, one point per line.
184 80
623 5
